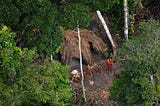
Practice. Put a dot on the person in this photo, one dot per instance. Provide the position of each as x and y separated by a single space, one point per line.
109 64
100 68
88 69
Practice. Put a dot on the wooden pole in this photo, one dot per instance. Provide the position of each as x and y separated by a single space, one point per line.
107 31
80 56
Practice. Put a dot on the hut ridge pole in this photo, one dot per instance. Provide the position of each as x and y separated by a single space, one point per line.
107 31
125 19
80 56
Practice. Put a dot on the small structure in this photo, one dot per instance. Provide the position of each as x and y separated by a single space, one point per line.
90 42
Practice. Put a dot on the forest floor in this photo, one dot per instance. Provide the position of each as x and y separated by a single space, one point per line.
96 85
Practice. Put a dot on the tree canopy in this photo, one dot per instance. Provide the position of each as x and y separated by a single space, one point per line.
139 60
24 81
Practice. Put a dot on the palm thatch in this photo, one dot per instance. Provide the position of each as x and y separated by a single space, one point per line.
89 40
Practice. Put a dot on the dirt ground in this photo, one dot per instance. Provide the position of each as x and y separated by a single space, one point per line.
96 86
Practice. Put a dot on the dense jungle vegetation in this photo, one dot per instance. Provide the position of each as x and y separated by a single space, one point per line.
30 31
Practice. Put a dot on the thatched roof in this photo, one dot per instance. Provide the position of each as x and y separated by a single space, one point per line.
69 48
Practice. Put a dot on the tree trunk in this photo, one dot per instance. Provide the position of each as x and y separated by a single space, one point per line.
125 20
107 31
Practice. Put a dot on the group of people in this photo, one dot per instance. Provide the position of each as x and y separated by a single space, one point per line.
88 70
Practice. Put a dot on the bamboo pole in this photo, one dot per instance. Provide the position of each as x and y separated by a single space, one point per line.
107 31
80 55
125 19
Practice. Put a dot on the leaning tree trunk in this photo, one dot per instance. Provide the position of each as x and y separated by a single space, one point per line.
107 31
125 19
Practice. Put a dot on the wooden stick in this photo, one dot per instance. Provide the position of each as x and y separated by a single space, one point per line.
80 56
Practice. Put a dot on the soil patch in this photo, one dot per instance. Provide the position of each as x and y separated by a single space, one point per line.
96 85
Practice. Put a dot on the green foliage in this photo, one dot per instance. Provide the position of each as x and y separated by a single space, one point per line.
113 9
39 29
102 5
12 60
34 22
9 53
141 59
45 84
25 82
105 54
9 14
73 14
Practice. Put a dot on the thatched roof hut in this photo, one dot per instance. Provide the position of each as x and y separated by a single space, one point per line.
90 43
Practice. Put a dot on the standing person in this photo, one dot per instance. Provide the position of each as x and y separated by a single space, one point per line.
100 68
109 64
88 69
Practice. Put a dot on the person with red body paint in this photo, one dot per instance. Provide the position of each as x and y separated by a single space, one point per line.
87 71
109 64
